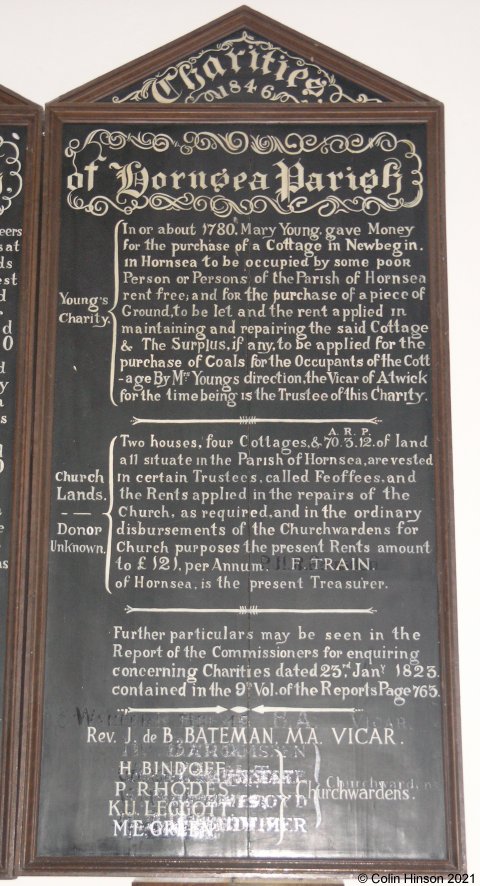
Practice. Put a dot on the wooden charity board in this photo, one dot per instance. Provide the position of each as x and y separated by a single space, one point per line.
20 149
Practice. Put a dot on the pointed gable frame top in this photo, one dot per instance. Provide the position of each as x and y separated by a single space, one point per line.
344 79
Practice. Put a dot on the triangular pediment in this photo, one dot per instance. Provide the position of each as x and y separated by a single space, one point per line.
244 67
243 58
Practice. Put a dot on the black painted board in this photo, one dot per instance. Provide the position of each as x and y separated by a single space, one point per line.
242 638
12 161
13 146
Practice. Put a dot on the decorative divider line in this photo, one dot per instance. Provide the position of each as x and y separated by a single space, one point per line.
239 709
252 420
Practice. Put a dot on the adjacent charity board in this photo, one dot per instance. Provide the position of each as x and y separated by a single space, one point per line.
19 158
242 634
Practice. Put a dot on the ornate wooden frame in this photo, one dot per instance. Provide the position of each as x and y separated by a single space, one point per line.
17 111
